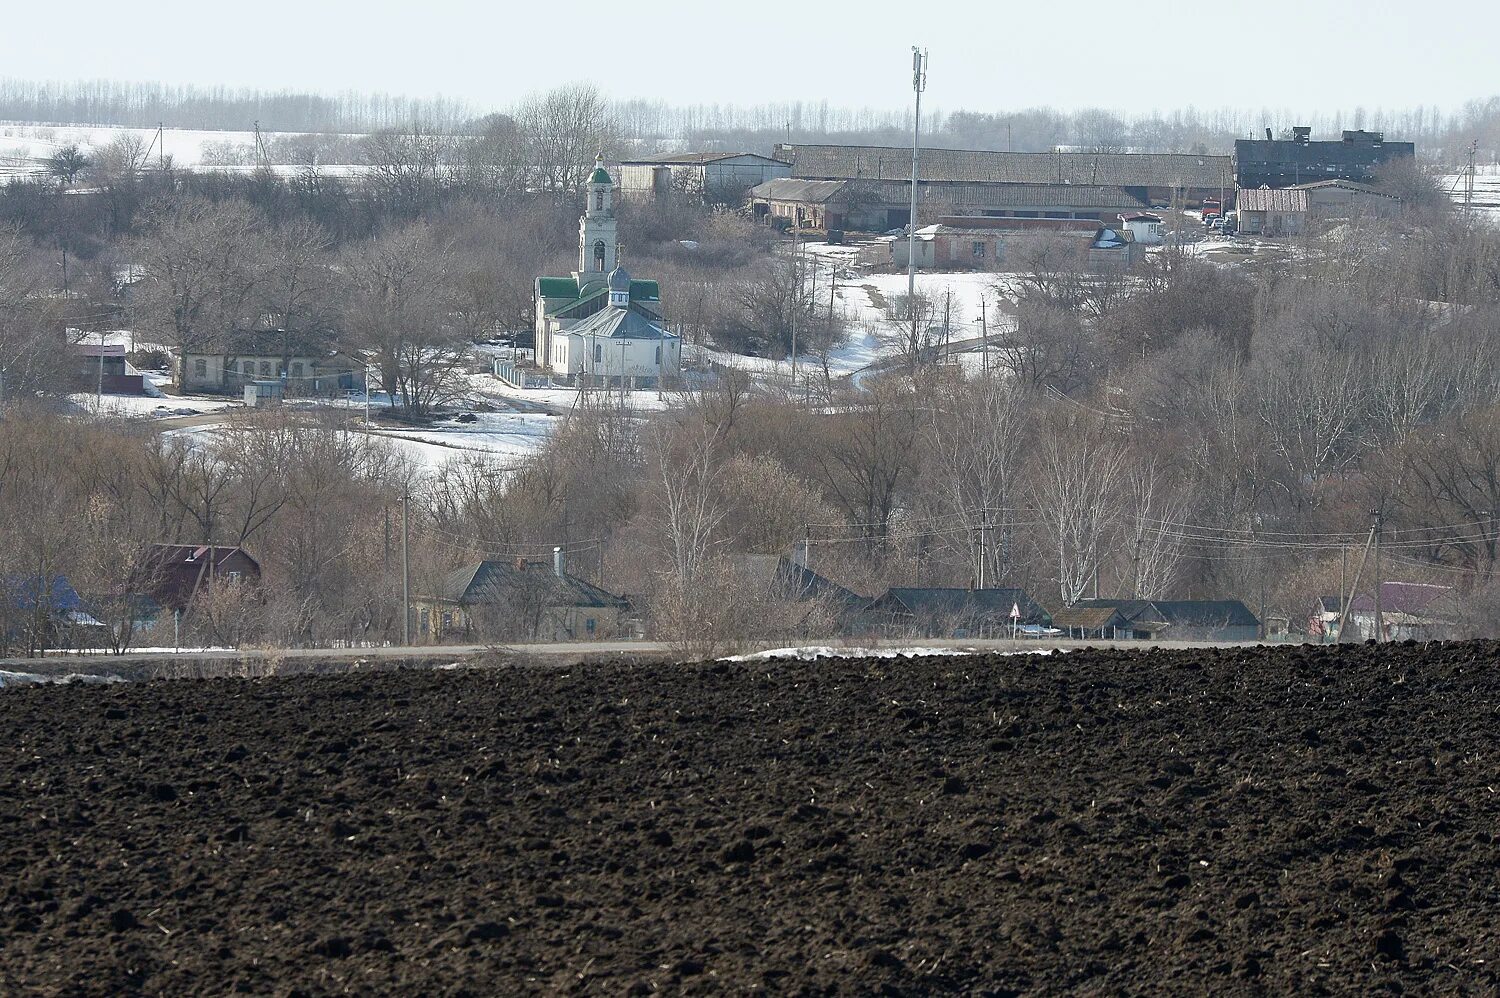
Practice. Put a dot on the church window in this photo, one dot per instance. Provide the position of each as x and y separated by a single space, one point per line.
599 255
598 200
598 353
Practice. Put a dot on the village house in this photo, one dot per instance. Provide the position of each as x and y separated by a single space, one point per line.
601 326
177 574
951 613
103 367
720 177
1158 620
1409 610
247 356
518 600
1145 228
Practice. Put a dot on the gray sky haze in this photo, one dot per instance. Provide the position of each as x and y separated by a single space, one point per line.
1131 57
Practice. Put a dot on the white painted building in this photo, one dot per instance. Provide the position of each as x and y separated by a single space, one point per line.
713 176
600 327
1146 228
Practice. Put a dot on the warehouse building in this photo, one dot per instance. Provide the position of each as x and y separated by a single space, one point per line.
1056 180
713 176
1289 162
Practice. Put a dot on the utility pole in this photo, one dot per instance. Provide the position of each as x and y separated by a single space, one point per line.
984 545
918 84
796 287
405 569
1358 571
947 317
984 335
1379 616
1343 575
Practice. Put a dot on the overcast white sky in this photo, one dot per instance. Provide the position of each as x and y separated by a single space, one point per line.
1129 55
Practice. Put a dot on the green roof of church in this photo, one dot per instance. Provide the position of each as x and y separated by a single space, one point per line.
556 287
567 289
600 176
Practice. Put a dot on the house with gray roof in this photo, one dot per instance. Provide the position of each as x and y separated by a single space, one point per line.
520 600
951 613
1157 620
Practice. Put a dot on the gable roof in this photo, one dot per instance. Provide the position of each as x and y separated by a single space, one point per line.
924 602
836 162
195 555
698 157
806 191
801 583
492 581
1346 185
620 323
1402 597
1190 613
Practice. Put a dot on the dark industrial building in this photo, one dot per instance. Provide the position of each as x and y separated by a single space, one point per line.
1298 160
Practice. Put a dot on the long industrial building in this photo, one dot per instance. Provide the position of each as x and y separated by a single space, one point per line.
1006 184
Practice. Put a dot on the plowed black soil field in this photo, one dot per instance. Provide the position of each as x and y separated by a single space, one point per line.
1241 821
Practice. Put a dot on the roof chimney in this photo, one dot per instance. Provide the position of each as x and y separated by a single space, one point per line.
557 561
1269 137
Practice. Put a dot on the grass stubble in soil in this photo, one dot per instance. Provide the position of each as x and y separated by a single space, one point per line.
1295 820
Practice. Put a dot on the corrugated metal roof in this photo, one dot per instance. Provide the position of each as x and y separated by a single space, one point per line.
805 191
694 157
1271 199
980 166
492 581
622 323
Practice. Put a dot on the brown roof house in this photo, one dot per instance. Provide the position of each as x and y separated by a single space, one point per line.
520 600
180 573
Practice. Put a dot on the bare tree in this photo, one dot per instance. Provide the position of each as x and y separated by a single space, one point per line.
1080 470
398 295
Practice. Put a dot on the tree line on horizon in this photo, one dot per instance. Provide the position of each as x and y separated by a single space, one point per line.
641 125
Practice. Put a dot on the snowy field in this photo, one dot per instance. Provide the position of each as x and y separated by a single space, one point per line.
22 143
1486 189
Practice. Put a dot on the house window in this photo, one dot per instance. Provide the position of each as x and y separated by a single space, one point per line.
265 369
979 251
588 625
296 368
200 369
249 366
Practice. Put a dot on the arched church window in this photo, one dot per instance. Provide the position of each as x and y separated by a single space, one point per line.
598 200
599 255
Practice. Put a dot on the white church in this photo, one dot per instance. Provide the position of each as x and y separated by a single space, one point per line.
600 327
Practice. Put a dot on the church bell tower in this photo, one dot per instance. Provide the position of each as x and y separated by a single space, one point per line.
598 240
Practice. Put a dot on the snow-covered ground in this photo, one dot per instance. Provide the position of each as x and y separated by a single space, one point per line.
148 406
506 436
1486 189
187 147
31 678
